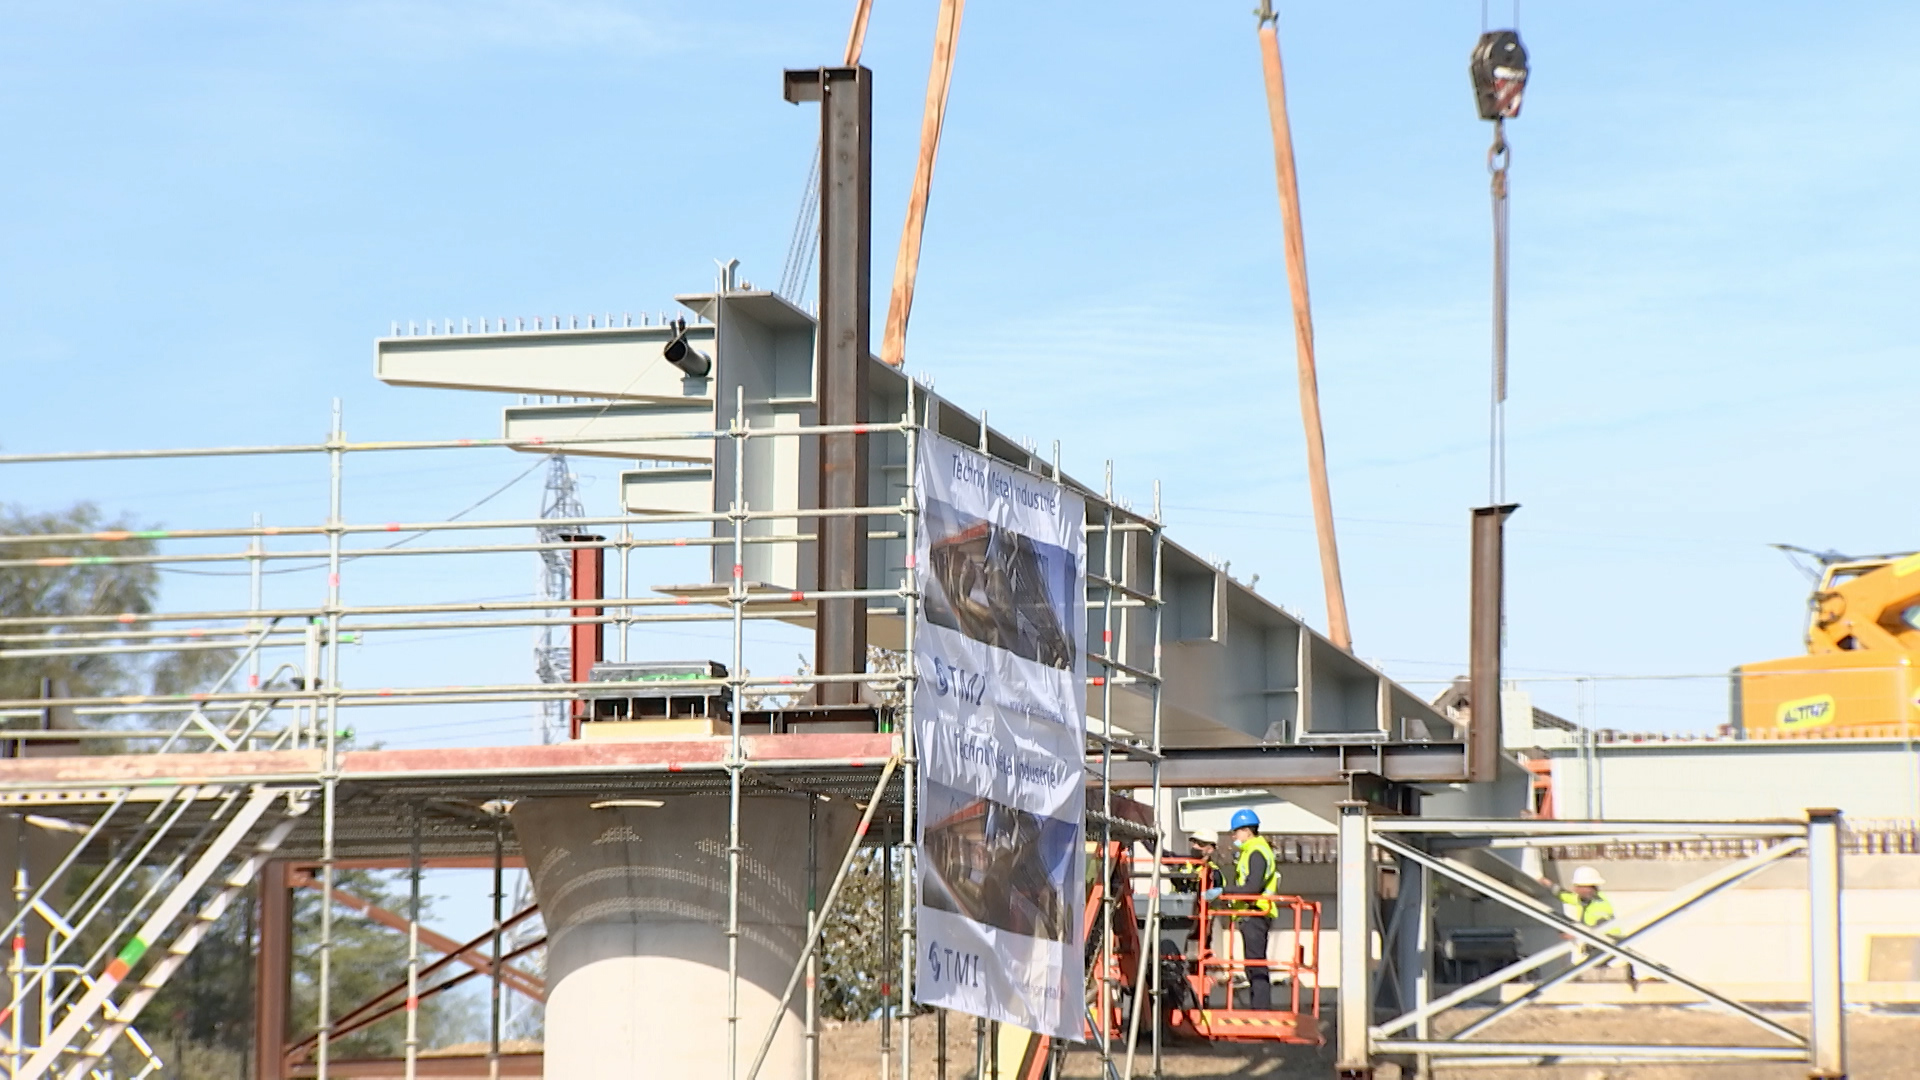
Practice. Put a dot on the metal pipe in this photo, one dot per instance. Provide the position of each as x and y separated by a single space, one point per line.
909 748
1829 1033
1103 1030
886 962
1623 1052
498 965
330 757
412 1062
394 552
536 443
1159 637
777 596
810 1068
826 912
506 692
390 527
788 765
738 596
1355 902
1408 949
1582 829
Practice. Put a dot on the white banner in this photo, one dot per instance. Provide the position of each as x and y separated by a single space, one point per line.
1000 720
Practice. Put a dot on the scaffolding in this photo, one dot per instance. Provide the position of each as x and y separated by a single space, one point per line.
253 777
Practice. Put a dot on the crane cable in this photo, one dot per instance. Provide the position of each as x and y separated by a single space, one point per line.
1499 156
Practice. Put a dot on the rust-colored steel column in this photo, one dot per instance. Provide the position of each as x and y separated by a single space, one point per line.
587 641
273 973
1487 619
845 95
1296 249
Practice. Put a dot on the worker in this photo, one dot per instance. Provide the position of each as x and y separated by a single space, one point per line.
1256 876
1584 904
1588 907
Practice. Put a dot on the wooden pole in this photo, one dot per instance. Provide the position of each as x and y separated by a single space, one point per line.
857 35
1303 332
905 268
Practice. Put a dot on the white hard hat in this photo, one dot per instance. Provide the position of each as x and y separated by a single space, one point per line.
1587 875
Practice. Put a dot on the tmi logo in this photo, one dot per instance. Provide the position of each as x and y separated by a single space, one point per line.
968 686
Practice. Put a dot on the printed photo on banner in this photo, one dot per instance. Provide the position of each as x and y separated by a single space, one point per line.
1000 587
997 865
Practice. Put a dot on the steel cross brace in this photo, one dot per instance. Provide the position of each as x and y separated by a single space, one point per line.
1525 905
512 977
1632 928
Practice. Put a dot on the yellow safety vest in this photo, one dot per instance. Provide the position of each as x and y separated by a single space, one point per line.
1596 913
1270 885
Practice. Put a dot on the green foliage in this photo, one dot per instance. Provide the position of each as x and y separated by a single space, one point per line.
854 957
202 1021
67 591
73 589
367 959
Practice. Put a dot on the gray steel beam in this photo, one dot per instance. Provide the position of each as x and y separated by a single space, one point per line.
1483 660
845 95
1317 763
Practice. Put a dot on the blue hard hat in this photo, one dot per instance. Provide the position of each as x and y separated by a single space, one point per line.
1245 819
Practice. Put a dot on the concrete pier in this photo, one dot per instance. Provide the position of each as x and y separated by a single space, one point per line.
635 903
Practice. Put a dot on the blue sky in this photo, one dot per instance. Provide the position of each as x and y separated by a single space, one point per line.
213 209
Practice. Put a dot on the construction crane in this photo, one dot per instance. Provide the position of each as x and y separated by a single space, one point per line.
1857 677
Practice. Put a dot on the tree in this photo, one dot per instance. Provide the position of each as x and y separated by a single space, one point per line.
202 1021
367 959
854 953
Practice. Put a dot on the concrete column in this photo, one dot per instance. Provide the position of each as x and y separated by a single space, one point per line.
635 903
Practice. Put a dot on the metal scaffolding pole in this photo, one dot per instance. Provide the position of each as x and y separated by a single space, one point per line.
1103 1031
909 747
412 1064
737 597
826 911
330 761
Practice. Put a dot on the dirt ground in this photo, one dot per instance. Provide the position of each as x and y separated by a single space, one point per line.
1879 1047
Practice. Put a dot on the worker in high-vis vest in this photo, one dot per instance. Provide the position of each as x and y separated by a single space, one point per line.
1586 905
1256 875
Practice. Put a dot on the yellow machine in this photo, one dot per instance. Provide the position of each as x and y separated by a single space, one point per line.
1858 677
